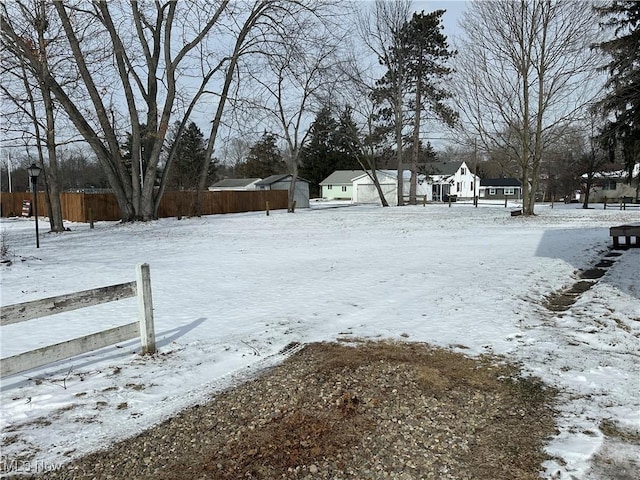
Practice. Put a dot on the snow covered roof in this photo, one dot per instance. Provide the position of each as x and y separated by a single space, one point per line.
278 178
235 182
342 177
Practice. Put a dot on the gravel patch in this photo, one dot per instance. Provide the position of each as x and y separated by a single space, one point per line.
363 410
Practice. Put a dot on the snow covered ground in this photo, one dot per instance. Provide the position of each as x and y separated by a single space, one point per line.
230 291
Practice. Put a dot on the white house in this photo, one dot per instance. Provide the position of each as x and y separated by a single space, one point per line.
339 185
452 179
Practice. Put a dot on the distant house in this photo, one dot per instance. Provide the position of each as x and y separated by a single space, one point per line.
364 190
235 184
339 185
500 188
452 179
282 182
613 186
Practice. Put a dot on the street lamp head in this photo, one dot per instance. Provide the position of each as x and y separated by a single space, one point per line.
34 170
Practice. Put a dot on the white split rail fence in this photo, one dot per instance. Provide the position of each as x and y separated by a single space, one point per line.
21 312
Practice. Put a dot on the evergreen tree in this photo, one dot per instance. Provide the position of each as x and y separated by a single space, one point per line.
428 52
320 157
413 85
623 98
346 142
189 157
264 159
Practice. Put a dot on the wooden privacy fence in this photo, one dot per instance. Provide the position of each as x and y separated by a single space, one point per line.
84 207
21 312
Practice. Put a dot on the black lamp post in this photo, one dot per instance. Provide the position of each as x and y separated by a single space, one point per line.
34 171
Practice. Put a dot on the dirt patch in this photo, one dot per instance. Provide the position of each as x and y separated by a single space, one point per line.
560 301
368 411
592 273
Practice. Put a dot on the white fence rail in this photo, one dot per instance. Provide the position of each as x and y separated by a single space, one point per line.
22 312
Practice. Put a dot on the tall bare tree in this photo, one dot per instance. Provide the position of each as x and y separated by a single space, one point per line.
140 39
297 76
524 73
31 95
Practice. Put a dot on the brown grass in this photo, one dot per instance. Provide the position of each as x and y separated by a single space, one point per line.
507 446
331 406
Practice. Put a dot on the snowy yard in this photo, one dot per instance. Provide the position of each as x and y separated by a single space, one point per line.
232 291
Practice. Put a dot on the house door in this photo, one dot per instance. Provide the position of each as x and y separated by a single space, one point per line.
435 191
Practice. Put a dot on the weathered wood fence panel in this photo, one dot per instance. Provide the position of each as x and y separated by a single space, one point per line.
21 312
84 207
144 327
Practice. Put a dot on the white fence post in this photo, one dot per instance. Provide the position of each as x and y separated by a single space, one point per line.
145 309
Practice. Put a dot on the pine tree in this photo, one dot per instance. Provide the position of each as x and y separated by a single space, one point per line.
264 159
320 157
623 85
346 141
414 84
189 157
428 52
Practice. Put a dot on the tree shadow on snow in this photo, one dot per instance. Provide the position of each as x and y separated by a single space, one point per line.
590 251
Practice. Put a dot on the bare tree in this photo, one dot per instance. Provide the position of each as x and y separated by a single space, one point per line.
147 66
235 152
595 157
31 95
297 75
525 72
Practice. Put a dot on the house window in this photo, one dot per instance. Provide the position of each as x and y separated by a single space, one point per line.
329 187
463 171
509 191
344 188
492 191
459 187
609 185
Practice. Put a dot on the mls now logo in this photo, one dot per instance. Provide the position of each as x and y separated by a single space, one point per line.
26 466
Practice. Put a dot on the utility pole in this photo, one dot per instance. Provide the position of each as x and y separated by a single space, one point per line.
475 172
9 166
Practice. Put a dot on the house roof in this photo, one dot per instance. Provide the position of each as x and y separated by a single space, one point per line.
443 168
342 177
278 178
500 182
235 182
391 175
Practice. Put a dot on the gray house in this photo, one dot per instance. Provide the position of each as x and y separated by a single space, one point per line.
500 188
282 182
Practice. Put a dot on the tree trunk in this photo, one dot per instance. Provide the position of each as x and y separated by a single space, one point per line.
399 118
413 186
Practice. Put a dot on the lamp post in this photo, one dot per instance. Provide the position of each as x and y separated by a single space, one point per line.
34 171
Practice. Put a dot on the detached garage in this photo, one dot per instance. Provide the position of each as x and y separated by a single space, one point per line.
364 191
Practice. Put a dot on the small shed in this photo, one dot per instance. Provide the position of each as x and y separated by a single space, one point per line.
282 182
